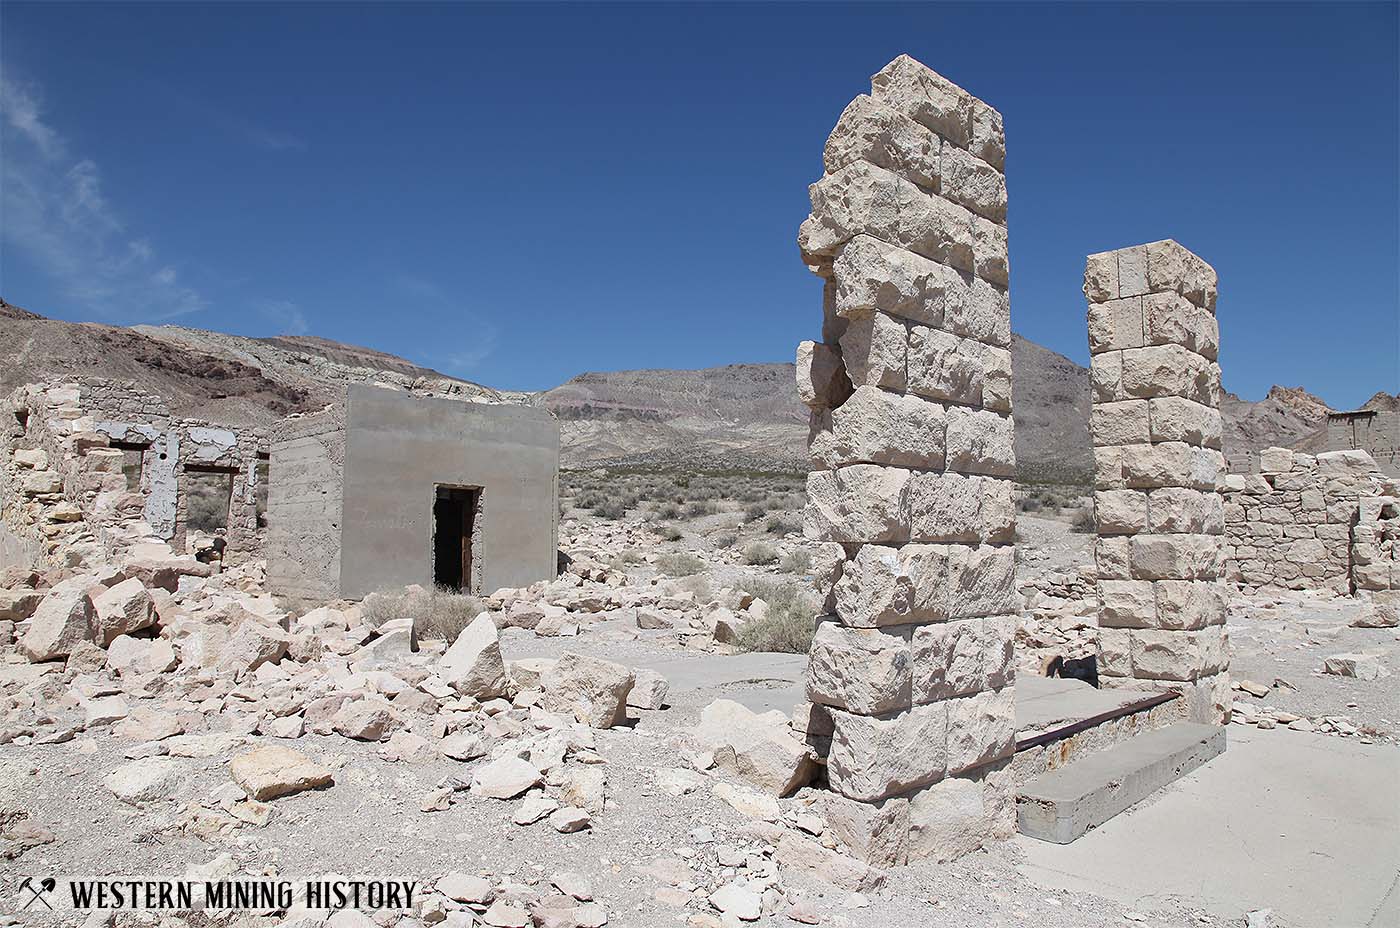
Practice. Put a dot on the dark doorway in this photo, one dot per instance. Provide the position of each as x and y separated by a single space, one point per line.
454 517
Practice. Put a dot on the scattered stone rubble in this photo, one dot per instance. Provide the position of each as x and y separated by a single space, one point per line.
911 444
1155 424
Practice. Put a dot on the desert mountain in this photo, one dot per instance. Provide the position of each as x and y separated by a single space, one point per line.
742 416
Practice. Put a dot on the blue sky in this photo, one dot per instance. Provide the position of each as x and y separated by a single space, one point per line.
518 194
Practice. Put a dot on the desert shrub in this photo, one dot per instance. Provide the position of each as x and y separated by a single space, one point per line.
758 553
611 509
754 512
789 624
727 540
668 511
436 613
207 496
1030 504
699 584
1083 522
669 532
782 525
697 508
679 565
796 562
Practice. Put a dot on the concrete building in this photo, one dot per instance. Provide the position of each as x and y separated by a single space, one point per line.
394 489
1375 431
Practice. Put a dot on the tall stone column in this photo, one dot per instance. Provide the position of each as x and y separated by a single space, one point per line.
1158 512
911 450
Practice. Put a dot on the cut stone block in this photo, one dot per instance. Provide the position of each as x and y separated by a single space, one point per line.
862 670
873 758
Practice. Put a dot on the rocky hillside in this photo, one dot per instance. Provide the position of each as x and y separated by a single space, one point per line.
226 378
742 416
748 416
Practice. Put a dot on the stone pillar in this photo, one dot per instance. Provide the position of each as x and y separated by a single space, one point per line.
1158 511
911 486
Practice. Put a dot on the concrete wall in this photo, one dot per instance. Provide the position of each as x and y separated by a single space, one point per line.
1377 432
398 448
303 508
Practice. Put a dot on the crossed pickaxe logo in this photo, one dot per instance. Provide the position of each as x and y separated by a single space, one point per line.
37 893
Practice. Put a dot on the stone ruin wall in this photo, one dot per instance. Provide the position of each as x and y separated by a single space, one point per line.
1375 431
61 473
911 670
1375 554
1156 428
1308 522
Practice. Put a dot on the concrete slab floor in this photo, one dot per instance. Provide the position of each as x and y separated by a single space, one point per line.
1306 825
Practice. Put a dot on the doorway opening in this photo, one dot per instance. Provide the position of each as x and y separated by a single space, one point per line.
454 519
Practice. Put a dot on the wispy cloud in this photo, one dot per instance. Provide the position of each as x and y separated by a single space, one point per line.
466 351
284 314
56 213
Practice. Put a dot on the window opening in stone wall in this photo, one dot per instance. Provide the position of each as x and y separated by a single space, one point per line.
133 455
454 518
208 495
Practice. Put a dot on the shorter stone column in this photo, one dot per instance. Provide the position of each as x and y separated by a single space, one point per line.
1159 517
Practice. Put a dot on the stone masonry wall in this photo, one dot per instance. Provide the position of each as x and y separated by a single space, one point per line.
1375 554
1289 527
911 450
62 470
1156 427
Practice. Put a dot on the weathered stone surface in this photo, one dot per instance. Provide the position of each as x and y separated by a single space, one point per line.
505 778
365 720
592 690
875 832
121 610
758 747
251 645
62 620
1360 666
944 366
649 690
129 656
864 670
862 198
875 758
961 814
876 426
146 780
807 856
875 351
859 503
884 586
981 729
473 666
913 481
272 770
962 657
870 131
944 507
822 382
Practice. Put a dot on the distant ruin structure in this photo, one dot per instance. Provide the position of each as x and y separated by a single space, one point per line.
86 455
1308 522
391 489
912 465
1375 431
1156 429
